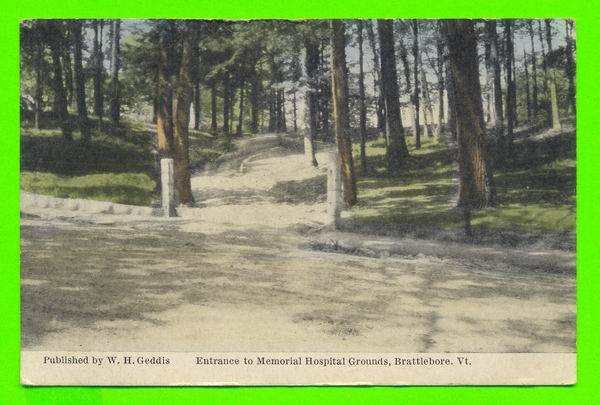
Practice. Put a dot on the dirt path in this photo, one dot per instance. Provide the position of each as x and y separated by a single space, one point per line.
235 274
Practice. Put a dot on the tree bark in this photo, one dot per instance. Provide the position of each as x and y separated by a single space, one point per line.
115 94
497 73
213 107
361 99
377 84
527 93
311 65
451 101
510 87
241 110
164 102
397 152
60 99
340 110
183 99
68 70
534 101
552 83
570 65
39 81
226 102
98 69
76 31
440 75
427 109
476 180
254 99
407 80
415 97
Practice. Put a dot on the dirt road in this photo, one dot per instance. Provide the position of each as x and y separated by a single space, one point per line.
236 274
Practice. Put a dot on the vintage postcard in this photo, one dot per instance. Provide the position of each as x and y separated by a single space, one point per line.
298 202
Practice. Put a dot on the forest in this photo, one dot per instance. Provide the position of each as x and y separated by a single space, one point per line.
438 123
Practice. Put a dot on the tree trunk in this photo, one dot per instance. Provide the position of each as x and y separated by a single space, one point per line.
440 75
98 69
489 85
361 99
552 83
497 73
377 84
39 83
239 128
510 87
340 110
196 103
60 99
397 152
226 102
527 93
80 81
543 50
570 65
415 52
115 96
311 64
164 102
68 72
213 107
476 181
406 69
295 110
451 101
254 99
427 109
184 93
534 101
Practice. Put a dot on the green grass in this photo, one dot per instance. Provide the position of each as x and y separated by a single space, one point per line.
124 188
535 190
118 166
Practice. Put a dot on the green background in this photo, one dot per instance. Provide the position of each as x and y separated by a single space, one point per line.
588 196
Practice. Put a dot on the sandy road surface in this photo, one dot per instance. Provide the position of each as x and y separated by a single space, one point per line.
235 274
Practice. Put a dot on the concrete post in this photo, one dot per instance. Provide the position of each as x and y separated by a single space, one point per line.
167 181
334 189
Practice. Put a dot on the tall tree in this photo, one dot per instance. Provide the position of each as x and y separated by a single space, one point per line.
534 100
213 107
415 97
311 62
570 64
476 180
361 98
527 93
551 78
492 35
377 84
510 86
76 32
115 94
98 57
396 152
38 63
427 104
184 92
407 80
340 109
164 111
55 37
227 102
440 76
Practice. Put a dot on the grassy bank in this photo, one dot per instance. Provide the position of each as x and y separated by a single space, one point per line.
535 190
118 166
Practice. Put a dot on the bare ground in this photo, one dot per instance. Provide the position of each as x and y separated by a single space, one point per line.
237 274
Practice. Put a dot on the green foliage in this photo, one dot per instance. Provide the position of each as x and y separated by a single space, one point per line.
536 190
